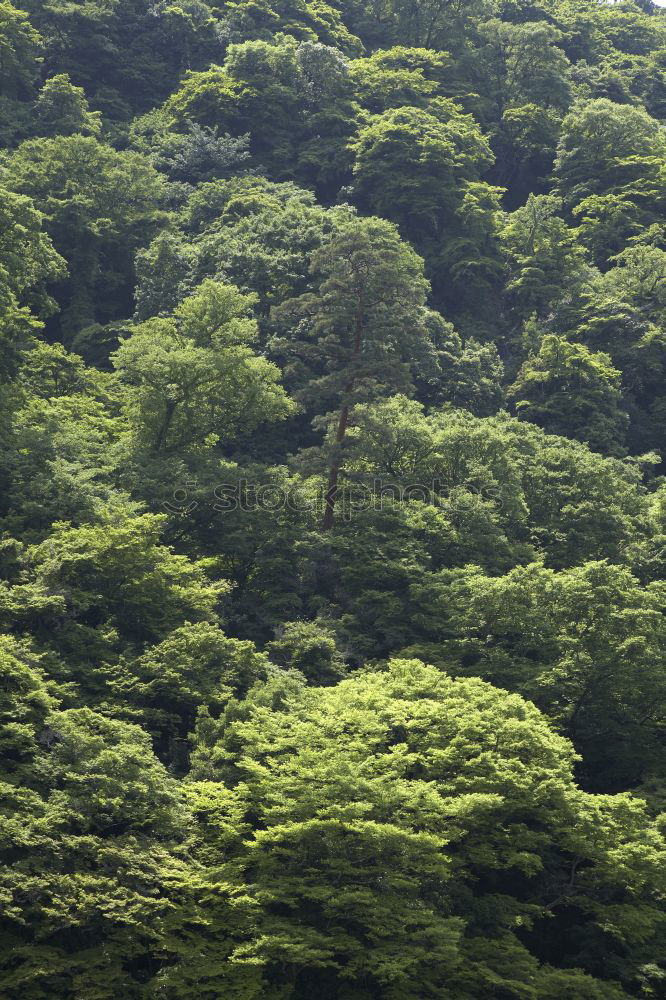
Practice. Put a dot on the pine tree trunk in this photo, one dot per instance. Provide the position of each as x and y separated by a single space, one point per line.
166 424
334 470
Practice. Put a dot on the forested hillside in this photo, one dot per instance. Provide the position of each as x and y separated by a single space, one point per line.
332 500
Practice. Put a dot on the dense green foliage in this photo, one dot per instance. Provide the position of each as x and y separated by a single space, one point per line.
332 500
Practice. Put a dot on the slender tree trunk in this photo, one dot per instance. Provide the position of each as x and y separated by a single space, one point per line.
334 470
166 424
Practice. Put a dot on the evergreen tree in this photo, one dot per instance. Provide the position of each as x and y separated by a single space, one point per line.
361 332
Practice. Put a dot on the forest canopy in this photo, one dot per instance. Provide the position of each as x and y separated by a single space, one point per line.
332 500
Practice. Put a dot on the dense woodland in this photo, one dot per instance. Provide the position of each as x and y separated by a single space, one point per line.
332 503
